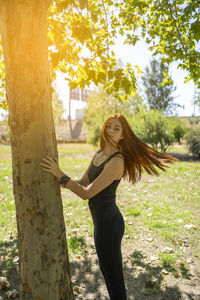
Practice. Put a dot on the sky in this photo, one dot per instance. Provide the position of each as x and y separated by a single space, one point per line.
141 56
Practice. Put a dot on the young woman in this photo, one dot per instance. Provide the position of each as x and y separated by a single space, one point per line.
121 154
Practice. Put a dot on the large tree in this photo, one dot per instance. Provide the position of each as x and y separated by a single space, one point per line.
44 266
159 87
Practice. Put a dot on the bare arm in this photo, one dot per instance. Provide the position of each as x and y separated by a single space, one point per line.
84 181
112 171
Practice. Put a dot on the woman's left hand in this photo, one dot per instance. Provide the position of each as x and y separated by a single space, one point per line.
51 166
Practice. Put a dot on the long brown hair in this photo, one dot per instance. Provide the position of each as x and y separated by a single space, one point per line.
138 156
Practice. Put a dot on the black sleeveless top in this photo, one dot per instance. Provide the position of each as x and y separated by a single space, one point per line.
106 197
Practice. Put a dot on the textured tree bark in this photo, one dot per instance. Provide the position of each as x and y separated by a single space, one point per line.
44 265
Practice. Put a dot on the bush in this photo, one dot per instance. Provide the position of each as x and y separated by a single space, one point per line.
179 128
193 141
154 128
94 135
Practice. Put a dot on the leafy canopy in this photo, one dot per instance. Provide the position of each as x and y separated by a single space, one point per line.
80 45
171 28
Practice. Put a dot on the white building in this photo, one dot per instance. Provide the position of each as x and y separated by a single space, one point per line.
74 101
77 102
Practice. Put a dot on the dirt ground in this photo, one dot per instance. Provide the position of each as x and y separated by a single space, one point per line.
145 278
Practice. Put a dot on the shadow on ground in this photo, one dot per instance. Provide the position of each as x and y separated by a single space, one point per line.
143 285
9 264
143 281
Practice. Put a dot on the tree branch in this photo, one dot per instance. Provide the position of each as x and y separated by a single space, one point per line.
176 27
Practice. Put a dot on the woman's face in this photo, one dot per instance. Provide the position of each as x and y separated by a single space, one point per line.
114 130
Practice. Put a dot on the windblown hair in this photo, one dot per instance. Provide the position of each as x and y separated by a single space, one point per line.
138 156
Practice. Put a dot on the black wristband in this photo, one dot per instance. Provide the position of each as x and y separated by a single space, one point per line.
64 180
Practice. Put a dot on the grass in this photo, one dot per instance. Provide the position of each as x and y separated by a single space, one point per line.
178 148
160 205
168 260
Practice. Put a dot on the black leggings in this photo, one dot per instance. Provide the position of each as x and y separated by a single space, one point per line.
108 233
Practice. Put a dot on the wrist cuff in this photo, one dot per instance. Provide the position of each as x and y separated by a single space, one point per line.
64 180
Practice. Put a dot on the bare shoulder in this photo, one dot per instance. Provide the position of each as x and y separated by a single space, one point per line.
116 164
117 159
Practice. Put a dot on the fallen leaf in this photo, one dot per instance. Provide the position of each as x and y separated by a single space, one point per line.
153 258
68 214
16 259
76 289
150 239
168 250
132 260
190 226
139 268
181 263
78 256
127 236
12 294
185 241
4 284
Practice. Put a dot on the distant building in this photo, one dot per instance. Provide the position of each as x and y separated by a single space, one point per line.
77 102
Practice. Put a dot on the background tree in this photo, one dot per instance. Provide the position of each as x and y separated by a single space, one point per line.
158 90
171 28
156 129
58 108
196 99
193 141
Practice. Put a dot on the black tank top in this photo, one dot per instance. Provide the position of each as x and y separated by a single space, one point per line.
106 197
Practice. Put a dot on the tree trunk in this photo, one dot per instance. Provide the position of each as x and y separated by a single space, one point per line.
69 118
44 265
